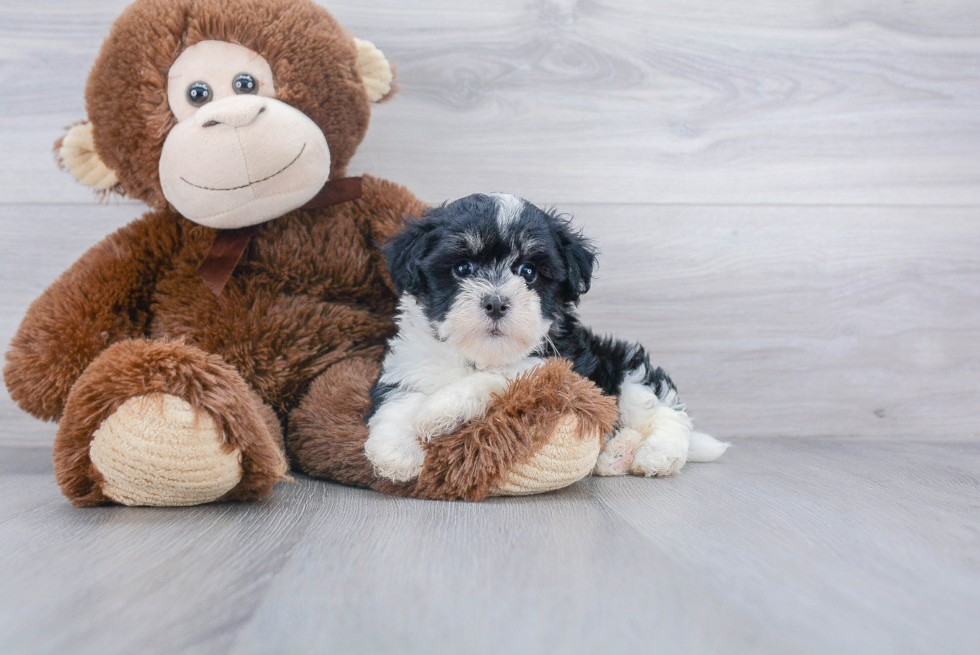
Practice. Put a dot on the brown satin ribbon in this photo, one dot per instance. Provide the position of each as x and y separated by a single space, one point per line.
229 245
335 192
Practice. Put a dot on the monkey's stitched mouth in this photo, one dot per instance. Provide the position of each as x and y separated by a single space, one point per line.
235 188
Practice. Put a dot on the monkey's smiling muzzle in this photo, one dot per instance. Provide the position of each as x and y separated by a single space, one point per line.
242 186
237 156
243 160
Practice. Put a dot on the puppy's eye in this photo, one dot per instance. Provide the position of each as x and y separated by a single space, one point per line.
463 269
198 93
528 272
245 83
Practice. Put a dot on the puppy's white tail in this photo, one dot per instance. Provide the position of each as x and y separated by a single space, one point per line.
705 448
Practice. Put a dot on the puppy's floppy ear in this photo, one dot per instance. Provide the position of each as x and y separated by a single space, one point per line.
404 253
580 259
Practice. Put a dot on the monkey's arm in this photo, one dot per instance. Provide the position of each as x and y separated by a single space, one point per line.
103 298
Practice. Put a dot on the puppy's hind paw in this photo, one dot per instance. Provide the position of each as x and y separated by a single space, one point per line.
618 453
664 448
651 462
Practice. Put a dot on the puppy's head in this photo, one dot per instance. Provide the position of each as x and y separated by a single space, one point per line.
491 273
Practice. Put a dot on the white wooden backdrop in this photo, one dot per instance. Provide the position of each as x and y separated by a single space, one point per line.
786 194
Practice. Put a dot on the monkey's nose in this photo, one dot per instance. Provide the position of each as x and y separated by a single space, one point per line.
495 306
237 111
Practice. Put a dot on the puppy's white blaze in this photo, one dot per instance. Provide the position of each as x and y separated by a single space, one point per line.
472 241
524 244
509 208
503 269
467 327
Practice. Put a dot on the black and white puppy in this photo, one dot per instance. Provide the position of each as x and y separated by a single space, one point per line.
489 288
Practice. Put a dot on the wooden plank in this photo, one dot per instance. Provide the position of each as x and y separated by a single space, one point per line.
123 580
544 574
773 321
860 102
844 547
785 545
119 580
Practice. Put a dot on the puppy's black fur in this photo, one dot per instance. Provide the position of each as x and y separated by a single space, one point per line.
422 258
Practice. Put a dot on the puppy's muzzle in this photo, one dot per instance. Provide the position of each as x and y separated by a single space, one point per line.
496 306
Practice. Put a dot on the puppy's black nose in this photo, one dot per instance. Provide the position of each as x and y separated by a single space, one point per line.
495 306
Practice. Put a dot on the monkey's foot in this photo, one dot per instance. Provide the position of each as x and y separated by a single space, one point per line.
165 423
157 450
567 457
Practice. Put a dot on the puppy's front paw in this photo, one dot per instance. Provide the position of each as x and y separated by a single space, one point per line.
663 450
399 461
439 416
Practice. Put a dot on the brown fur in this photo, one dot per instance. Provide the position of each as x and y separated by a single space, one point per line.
103 298
313 66
138 367
311 290
466 465
326 432
296 336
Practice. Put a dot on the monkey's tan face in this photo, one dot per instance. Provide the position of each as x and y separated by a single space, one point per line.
237 156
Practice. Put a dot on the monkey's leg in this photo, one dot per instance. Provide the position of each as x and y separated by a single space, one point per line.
164 423
543 432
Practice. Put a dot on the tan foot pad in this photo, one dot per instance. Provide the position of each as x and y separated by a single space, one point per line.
156 450
568 457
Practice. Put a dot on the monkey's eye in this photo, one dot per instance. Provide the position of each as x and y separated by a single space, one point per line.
198 93
527 272
463 269
245 83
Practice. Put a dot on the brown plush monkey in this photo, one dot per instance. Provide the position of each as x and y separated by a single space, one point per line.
242 320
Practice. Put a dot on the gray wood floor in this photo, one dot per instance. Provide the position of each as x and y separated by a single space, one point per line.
786 195
784 546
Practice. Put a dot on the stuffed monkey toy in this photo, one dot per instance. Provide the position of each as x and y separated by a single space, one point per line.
235 329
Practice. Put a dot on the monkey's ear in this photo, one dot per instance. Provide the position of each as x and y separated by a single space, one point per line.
375 71
75 152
